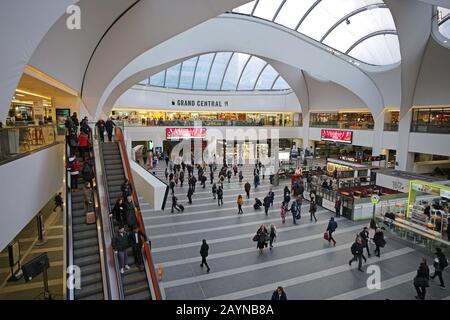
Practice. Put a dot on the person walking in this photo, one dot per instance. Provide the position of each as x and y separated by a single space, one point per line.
241 176
221 179
272 235
120 244
357 252
118 212
203 181
58 202
174 204
364 234
440 263
284 208
88 174
337 206
263 236
172 186
109 126
379 241
101 129
181 178
235 169
271 196
126 189
211 176
286 192
240 202
421 280
279 294
75 122
332 226
190 193
214 191
256 181
130 213
266 204
247 188
74 168
312 211
294 211
137 239
220 196
204 250
229 174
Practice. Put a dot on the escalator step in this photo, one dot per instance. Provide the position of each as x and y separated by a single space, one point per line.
87 260
85 243
89 290
83 252
81 235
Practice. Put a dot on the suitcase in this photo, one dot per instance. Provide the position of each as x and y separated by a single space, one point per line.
90 217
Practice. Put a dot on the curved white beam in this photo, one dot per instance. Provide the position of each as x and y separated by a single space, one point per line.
265 41
23 24
146 25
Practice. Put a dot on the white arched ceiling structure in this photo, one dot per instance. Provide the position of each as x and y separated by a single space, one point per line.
253 36
145 25
105 26
23 24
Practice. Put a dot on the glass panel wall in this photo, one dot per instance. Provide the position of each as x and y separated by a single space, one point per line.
343 120
391 121
168 118
431 120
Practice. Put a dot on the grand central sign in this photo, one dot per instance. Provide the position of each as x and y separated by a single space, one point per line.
200 103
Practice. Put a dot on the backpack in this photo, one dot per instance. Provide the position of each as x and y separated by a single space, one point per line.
443 262
353 249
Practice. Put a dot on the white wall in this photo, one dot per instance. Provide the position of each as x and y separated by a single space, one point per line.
27 185
429 143
148 186
390 140
141 97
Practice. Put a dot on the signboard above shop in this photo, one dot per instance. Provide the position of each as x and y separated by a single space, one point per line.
337 136
200 103
185 133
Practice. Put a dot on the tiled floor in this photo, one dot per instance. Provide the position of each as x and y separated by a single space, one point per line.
32 290
301 260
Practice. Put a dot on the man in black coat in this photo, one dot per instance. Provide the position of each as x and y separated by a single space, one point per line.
332 226
247 187
130 214
126 189
120 244
109 125
189 194
101 129
357 252
137 239
75 121
204 253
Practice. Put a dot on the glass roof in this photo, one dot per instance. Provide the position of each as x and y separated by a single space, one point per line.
220 71
362 29
444 21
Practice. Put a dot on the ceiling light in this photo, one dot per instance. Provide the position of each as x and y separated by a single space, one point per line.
20 95
33 94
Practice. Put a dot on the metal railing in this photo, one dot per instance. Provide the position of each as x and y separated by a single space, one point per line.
343 125
430 128
166 194
391 127
208 123
17 142
149 265
69 293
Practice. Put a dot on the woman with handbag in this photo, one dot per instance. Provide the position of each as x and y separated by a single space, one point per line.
421 280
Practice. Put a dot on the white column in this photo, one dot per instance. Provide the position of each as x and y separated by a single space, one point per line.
404 158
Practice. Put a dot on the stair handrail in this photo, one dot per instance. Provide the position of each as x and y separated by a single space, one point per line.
154 285
111 221
69 291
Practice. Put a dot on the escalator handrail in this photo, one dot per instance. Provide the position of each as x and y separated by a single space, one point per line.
153 279
111 222
70 293
99 225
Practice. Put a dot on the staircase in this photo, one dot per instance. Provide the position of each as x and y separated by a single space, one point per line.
134 281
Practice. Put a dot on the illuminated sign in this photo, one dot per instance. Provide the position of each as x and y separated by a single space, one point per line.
337 135
185 133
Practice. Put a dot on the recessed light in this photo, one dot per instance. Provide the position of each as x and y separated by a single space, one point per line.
20 95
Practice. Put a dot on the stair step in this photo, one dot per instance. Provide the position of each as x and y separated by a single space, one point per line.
97 296
83 227
85 243
93 278
87 260
89 290
81 235
82 252
142 295
90 269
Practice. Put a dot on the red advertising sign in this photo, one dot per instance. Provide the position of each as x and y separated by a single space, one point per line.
337 136
185 133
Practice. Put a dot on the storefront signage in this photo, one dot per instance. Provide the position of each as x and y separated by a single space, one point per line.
375 198
185 133
199 103
337 136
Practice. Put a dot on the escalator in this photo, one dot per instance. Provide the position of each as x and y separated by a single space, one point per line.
135 284
84 245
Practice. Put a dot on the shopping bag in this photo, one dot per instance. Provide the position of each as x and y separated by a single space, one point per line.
326 236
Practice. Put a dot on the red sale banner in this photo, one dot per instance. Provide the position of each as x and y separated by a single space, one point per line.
185 133
337 136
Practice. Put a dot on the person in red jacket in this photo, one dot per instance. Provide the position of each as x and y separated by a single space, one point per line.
83 144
